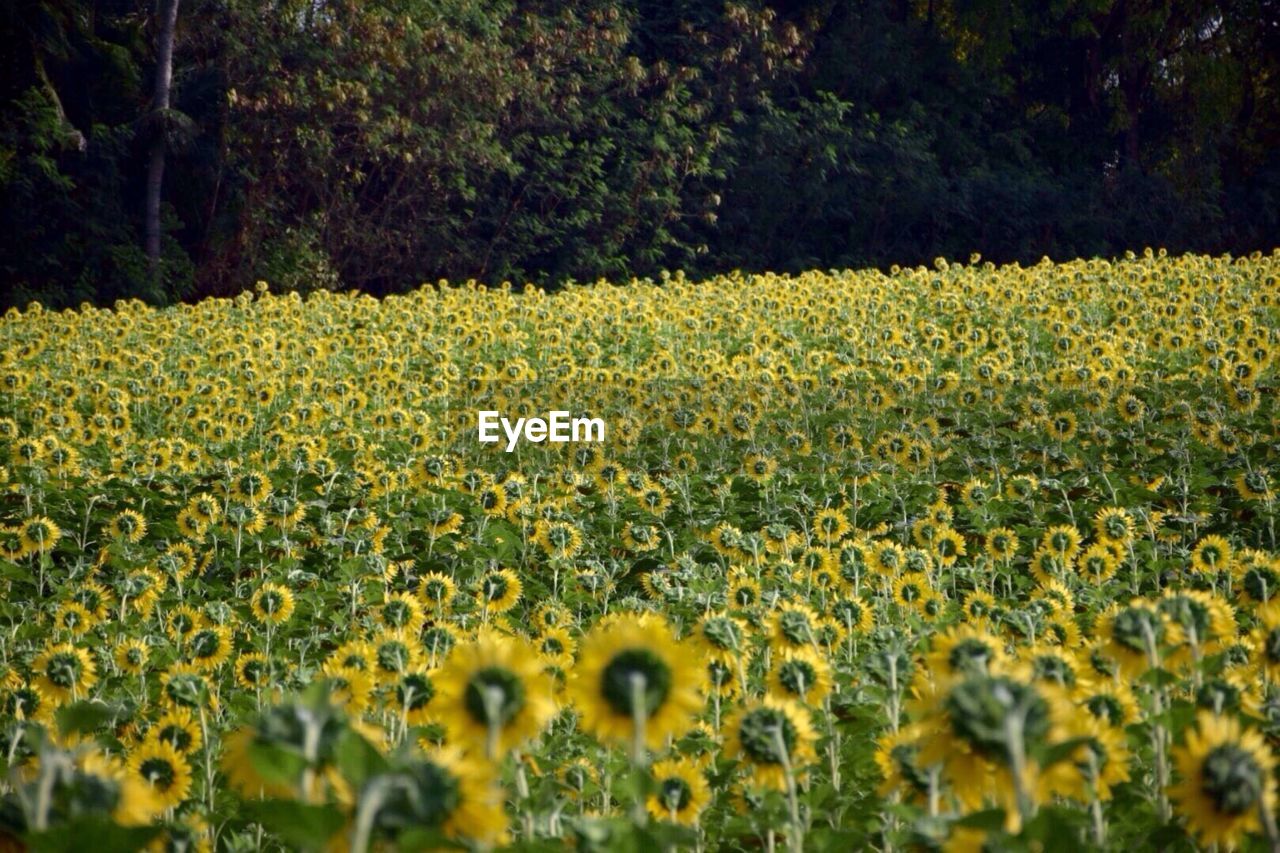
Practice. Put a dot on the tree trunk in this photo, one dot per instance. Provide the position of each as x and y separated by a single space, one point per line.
160 105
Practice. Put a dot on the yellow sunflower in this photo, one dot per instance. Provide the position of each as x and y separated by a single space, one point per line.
680 792
802 675
769 737
498 591
1227 780
634 679
493 695
64 673
272 604
158 764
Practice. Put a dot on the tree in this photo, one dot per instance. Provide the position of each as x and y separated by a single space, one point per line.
161 120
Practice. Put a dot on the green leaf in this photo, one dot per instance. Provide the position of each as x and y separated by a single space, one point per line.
73 835
357 759
83 717
297 824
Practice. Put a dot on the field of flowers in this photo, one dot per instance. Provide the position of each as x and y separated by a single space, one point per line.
936 558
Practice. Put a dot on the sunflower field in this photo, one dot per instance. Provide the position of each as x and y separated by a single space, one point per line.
961 557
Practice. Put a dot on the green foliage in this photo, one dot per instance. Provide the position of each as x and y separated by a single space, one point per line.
382 144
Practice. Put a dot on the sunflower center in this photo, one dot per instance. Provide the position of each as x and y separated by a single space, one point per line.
253 671
392 656
159 772
675 793
178 736
1231 778
904 759
970 656
428 795
1217 695
1189 613
723 633
797 676
495 587
980 710
396 613
205 644
1106 708
1261 583
759 734
794 625
414 691
1052 668
626 670
494 695
1132 626
63 669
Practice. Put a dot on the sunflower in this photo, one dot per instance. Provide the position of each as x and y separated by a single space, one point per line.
556 645
180 728
1254 485
499 591
402 611
272 604
64 673
448 791
188 686
1227 780
412 696
723 636
12 546
640 538
743 591
131 655
559 540
550 614
38 534
1113 524
1099 562
1063 541
492 695
437 592
350 689
910 590
770 736
253 671
437 641
793 625
162 768
27 702
394 653
964 650
128 525
209 646
948 546
680 792
853 614
830 526
632 678
897 756
802 675
184 620
74 618
1199 624
1211 555
132 802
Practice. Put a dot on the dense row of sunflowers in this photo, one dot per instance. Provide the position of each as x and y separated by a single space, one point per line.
944 557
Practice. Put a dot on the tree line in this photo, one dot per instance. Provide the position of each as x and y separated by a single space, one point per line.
380 144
